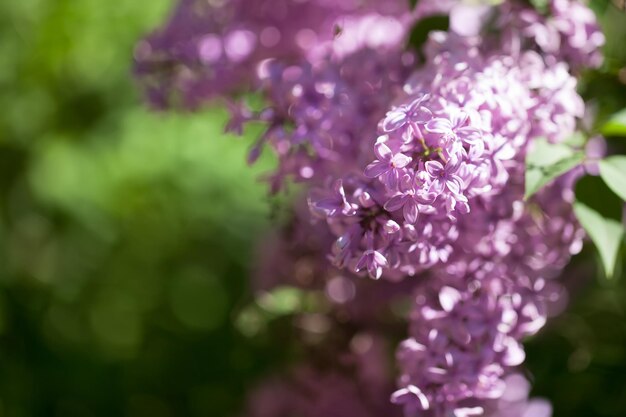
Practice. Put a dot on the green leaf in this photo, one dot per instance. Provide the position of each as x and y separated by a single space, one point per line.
605 233
577 140
613 172
412 3
546 161
616 126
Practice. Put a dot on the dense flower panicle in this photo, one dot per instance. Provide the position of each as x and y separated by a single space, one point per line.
319 114
461 132
472 314
294 256
569 34
212 48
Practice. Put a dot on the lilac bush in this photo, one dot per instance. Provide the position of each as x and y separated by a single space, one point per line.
413 167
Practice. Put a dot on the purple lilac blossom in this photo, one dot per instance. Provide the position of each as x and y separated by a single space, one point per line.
416 174
293 255
318 114
212 48
450 147
570 32
471 315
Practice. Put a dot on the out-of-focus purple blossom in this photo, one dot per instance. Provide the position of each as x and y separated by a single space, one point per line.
355 383
212 48
514 402
569 33
318 115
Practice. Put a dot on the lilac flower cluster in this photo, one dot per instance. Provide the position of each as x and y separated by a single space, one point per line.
294 256
471 316
415 174
212 48
320 113
451 145
570 33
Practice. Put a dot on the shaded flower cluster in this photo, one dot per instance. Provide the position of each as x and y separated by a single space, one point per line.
569 33
354 383
472 314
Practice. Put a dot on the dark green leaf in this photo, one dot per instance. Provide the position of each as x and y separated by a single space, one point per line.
420 32
577 140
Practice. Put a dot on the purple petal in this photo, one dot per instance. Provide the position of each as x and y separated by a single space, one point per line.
400 160
448 298
395 203
338 187
395 120
382 151
362 263
514 354
379 258
410 211
425 198
327 205
376 169
439 125
374 271
421 115
453 186
408 395
538 408
433 168
391 227
390 179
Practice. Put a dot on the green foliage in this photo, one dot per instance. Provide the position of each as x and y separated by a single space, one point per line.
125 235
616 125
546 161
600 213
613 172
605 233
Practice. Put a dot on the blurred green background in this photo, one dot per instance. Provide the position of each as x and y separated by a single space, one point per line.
126 238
